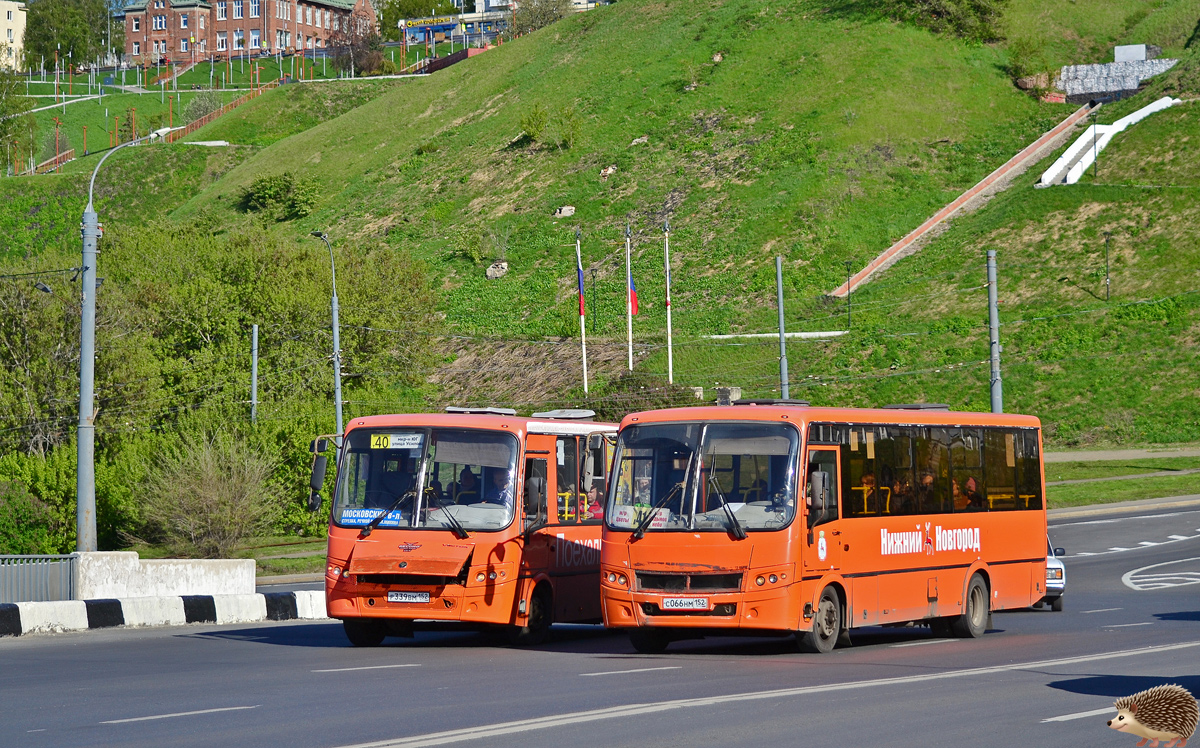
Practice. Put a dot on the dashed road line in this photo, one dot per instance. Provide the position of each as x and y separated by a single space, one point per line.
178 714
1101 610
1080 715
635 670
1127 625
1142 544
928 641
364 667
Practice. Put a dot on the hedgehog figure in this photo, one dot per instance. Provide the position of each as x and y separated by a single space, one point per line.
1161 713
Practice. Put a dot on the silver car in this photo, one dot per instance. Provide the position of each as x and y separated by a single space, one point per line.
1056 578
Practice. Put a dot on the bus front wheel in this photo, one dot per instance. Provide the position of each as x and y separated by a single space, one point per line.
827 624
973 621
541 615
364 632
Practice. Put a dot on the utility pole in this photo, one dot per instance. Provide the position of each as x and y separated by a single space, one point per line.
254 374
783 372
997 387
667 267
848 266
337 348
628 297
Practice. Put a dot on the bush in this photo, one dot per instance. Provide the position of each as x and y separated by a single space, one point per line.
534 122
26 524
532 15
976 20
387 67
568 126
281 196
208 495
202 104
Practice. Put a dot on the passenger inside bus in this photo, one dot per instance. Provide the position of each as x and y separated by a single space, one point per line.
393 483
595 510
468 488
975 502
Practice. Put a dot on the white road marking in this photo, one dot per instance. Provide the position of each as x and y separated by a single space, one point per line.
1120 519
635 670
40 729
1101 610
1124 625
626 711
927 641
1147 543
1119 549
1140 581
1085 553
1177 537
1081 715
1141 546
178 714
365 667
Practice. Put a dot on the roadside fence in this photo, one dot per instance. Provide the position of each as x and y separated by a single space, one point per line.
37 578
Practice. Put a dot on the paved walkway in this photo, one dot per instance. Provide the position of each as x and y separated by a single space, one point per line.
1158 474
1121 454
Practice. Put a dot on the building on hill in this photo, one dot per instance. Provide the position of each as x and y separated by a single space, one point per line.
14 34
185 30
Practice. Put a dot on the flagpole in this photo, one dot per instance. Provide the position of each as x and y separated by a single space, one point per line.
628 298
582 324
667 267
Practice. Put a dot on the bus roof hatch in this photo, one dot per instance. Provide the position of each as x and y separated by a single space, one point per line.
917 406
567 414
481 411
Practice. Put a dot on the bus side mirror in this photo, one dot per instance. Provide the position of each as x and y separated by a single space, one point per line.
316 480
818 491
318 446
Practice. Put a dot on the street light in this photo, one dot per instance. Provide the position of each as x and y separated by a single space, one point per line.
85 437
337 348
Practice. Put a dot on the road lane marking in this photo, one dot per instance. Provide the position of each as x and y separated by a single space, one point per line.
1124 625
1137 579
626 711
1142 546
635 670
1101 610
178 714
1177 537
1080 715
1147 543
1119 549
365 667
928 641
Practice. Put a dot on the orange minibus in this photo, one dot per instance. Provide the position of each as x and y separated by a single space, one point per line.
473 516
778 517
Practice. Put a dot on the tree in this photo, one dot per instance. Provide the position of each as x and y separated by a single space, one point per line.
75 29
18 130
356 46
532 15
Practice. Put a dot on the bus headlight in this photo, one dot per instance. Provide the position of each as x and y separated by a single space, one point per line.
479 576
773 579
621 580
760 580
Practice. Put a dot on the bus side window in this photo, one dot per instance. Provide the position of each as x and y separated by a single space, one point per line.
1000 469
566 474
593 479
932 449
1029 469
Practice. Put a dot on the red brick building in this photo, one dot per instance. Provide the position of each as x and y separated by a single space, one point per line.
196 29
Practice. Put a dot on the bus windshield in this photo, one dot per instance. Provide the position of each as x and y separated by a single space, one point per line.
699 477
419 476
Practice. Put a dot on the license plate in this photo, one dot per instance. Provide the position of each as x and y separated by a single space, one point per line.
408 597
685 603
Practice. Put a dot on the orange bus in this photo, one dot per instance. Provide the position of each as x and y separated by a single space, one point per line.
426 523
778 517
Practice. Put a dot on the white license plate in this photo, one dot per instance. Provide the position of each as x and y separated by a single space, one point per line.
408 597
684 603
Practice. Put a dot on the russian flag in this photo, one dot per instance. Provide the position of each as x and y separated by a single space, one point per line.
579 270
632 295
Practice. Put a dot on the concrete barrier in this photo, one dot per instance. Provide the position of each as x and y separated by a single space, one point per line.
17 619
122 574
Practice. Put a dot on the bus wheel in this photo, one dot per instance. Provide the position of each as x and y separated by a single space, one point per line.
973 621
540 618
648 641
827 624
364 632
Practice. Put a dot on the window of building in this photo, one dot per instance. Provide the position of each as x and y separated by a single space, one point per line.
237 9
137 48
326 19
308 15
183 45
221 41
201 21
183 20
160 22
254 8
255 40
10 15
336 23
221 10
239 42
137 24
158 3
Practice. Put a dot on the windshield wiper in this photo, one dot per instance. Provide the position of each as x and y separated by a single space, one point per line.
734 526
459 531
375 522
639 532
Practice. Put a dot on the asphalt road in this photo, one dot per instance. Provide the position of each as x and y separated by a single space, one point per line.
1039 678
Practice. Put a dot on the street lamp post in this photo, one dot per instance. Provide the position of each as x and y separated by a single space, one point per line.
85 437
337 348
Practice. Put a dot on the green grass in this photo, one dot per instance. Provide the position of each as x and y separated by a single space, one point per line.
1057 471
1082 494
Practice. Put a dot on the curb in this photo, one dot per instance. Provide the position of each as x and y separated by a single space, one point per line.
1121 507
17 619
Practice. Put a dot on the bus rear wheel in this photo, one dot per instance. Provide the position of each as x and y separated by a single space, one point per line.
827 624
540 618
364 632
648 641
973 621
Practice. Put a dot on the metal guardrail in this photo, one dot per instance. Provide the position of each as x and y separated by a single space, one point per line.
37 578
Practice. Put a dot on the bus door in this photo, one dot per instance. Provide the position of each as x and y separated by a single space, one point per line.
539 504
824 547
575 565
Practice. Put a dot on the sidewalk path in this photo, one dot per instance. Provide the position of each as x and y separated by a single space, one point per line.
1159 474
1121 454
